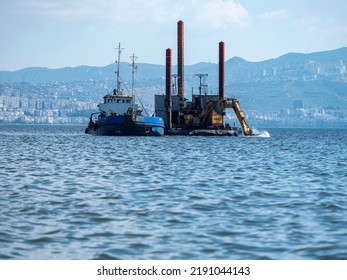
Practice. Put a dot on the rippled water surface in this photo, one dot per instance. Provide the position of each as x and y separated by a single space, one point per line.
67 195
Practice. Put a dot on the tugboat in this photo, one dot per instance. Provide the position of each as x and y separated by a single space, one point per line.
119 115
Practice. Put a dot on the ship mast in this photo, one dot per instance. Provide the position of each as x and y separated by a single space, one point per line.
133 58
202 85
117 72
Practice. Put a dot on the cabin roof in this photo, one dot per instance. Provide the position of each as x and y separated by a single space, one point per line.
117 96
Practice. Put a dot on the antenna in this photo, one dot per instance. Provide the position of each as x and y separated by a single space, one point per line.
117 72
134 68
202 85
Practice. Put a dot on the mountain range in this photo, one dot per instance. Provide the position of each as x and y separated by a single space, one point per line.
328 65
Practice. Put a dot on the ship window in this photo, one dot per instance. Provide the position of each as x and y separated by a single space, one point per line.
123 100
118 100
109 100
128 101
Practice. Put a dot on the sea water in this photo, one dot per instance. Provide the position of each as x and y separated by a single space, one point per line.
67 195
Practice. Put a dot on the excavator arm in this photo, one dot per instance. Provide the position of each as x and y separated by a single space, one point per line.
241 117
239 113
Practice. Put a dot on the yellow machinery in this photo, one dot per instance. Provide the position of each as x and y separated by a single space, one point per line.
207 113
241 117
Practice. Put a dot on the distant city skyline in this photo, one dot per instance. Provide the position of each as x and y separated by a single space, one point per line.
55 34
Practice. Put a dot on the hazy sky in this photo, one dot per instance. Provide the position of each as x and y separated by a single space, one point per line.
62 33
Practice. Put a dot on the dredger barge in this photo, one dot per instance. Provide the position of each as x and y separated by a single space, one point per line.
205 113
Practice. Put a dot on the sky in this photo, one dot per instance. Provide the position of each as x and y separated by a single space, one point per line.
60 33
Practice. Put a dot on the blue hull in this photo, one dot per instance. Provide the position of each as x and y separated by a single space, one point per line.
125 126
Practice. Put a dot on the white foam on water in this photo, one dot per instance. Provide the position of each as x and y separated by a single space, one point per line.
260 133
